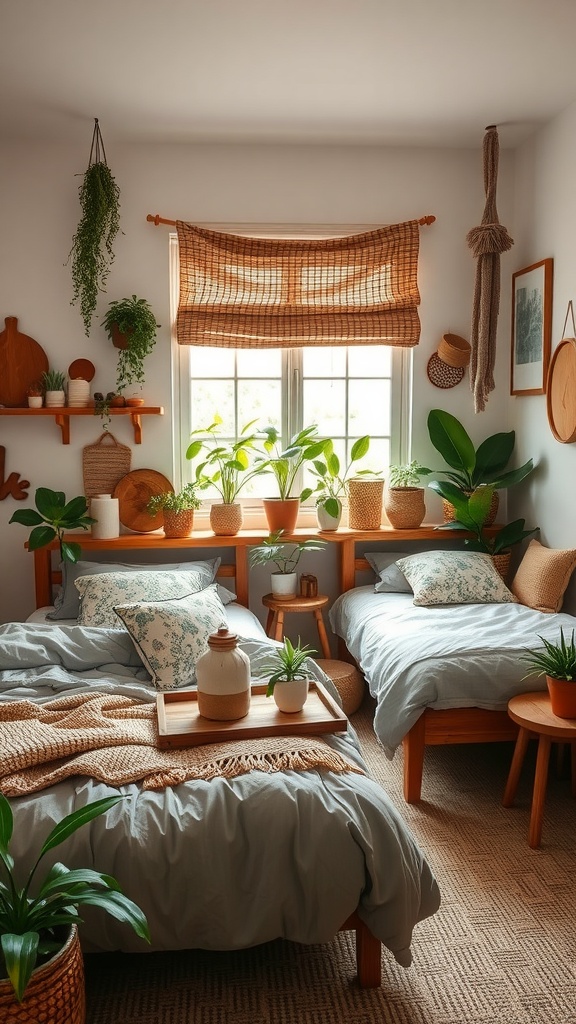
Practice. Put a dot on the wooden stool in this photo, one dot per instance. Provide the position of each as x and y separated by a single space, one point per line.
533 713
278 606
348 681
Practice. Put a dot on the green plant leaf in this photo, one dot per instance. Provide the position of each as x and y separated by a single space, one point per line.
49 503
26 517
452 441
40 536
360 448
123 909
75 820
70 552
6 823
492 456
513 476
20 959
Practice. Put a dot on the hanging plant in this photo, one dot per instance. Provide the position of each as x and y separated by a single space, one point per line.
131 326
91 254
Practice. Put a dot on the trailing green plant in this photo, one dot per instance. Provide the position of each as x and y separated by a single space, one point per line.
287 664
331 479
284 555
470 466
53 380
134 319
29 924
285 463
407 475
226 467
557 660
92 252
471 512
173 501
52 518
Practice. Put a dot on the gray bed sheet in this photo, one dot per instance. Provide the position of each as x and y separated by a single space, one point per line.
228 863
445 656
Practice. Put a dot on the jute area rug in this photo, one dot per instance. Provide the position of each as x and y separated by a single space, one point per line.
501 949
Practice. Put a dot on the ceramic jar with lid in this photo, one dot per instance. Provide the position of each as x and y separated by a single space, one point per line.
223 678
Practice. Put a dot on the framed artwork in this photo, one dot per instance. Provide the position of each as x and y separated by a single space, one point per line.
531 328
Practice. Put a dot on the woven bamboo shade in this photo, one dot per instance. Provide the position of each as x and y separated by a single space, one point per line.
280 293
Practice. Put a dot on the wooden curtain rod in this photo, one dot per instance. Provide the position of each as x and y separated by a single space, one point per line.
156 219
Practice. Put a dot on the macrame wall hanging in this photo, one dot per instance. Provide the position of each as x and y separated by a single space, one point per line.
487 242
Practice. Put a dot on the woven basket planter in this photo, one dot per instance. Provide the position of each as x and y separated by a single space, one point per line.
365 504
55 993
501 563
405 507
226 520
178 524
449 515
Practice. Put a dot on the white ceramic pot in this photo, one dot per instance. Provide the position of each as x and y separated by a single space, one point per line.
35 401
325 520
291 696
284 584
78 393
106 511
55 399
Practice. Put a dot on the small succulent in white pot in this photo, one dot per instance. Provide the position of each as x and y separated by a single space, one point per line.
288 683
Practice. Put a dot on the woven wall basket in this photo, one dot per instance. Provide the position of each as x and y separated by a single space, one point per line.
365 504
449 514
405 507
55 992
104 463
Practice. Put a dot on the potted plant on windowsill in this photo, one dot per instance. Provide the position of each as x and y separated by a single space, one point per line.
177 510
282 511
331 481
473 467
227 468
285 555
404 499
52 518
131 326
288 683
41 970
557 661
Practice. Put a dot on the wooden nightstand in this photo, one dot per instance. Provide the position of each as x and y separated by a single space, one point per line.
278 607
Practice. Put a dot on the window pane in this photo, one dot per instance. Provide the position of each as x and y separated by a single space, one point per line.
324 362
259 362
369 361
211 362
369 407
325 404
210 397
261 402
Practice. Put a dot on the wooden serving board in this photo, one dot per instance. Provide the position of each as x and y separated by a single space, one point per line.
133 492
22 363
180 725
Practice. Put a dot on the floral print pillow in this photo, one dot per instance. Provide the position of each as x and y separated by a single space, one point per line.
454 577
170 636
101 592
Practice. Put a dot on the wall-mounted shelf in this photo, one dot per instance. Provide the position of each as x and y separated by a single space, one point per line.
62 417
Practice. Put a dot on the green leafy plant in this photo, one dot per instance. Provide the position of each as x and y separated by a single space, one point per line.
331 479
29 923
52 518
407 475
284 555
557 660
471 512
92 252
287 664
472 466
226 467
174 502
134 320
286 463
53 380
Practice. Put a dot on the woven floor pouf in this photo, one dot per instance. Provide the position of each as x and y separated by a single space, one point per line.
348 681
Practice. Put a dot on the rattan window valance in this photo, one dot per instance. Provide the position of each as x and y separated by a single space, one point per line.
282 293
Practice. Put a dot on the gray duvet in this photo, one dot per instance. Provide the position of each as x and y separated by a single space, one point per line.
228 863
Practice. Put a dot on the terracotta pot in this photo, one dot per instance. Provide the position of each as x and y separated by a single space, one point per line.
562 697
119 340
281 514
291 696
178 524
405 507
226 520
55 992
365 504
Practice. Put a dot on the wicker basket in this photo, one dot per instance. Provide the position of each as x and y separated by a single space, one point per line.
178 524
501 563
405 507
55 992
348 681
226 520
454 351
104 463
449 514
365 504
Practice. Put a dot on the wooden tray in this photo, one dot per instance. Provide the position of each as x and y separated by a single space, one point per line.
180 725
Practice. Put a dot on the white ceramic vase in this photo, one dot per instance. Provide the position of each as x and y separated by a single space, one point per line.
55 399
291 696
78 393
284 584
327 522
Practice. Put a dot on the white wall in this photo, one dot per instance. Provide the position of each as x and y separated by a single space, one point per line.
545 226
39 215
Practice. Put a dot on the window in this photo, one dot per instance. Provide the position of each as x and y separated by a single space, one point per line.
347 392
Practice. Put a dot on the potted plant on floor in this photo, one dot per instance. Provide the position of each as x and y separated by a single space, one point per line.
177 510
404 499
285 555
226 467
331 481
131 326
41 970
288 683
557 661
474 467
52 518
285 463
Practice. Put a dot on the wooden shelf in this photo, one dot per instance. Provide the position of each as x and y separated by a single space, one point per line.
62 416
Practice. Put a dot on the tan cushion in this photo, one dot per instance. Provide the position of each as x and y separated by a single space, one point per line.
542 577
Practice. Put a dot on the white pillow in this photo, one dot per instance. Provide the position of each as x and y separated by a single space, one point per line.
100 592
170 636
392 581
454 577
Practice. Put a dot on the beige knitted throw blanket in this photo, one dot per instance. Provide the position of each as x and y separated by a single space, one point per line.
114 739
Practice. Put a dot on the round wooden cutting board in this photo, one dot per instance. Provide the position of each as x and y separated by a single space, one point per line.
561 392
22 363
133 492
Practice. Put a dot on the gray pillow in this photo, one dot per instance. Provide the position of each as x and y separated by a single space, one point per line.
392 581
67 601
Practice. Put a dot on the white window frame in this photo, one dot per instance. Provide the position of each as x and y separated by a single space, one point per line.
402 367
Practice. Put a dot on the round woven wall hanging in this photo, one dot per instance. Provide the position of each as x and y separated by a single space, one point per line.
442 375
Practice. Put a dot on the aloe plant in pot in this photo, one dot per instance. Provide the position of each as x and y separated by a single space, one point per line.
556 661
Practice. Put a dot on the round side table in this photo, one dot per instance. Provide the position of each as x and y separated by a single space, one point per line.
278 607
533 713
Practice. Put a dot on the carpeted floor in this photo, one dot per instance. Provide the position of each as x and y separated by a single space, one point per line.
501 949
